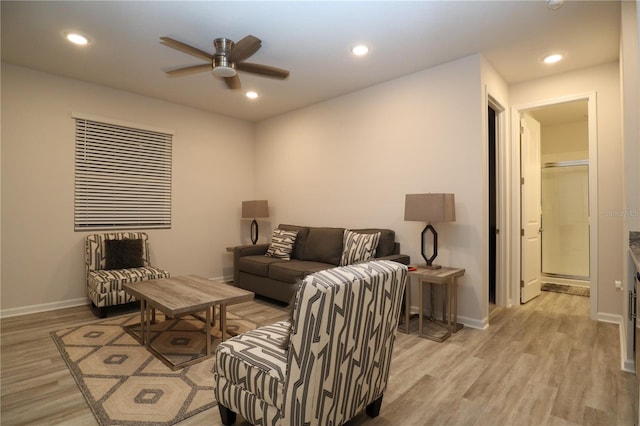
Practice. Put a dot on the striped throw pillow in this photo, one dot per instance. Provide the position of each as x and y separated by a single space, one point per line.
282 244
358 247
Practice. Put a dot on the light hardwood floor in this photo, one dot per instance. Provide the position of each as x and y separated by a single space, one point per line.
545 363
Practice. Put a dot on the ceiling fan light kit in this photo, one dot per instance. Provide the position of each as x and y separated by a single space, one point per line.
222 66
227 60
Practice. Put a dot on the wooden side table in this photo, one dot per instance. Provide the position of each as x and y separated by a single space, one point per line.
447 279
404 324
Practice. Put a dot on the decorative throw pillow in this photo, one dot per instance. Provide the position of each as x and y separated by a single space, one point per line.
358 247
282 244
123 254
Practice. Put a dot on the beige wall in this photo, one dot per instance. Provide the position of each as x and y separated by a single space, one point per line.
564 142
345 162
42 256
604 80
351 160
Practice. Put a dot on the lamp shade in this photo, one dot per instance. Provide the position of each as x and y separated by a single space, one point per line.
255 208
430 208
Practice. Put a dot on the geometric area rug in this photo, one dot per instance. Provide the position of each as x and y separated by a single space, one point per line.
125 384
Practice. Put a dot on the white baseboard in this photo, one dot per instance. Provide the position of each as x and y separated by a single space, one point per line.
628 365
566 281
474 323
33 309
611 318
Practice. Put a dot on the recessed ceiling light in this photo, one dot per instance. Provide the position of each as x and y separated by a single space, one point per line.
76 38
553 58
555 4
360 50
252 95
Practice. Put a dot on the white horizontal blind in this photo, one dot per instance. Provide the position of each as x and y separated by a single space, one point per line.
122 177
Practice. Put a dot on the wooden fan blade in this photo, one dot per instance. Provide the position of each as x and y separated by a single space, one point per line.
244 48
264 70
190 70
233 83
178 45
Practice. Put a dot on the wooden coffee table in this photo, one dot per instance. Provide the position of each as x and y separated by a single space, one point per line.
184 295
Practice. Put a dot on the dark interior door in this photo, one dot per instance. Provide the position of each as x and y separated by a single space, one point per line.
493 228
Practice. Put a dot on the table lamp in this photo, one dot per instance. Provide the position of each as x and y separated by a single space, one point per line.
252 210
430 208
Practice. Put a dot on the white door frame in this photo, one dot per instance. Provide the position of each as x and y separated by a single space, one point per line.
514 182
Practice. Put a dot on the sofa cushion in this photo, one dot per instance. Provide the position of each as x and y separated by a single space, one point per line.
324 245
106 281
293 271
358 247
282 244
257 265
387 240
301 239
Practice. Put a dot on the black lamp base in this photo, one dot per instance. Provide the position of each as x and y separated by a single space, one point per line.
429 260
254 232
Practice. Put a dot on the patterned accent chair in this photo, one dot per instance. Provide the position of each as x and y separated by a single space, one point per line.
326 365
104 287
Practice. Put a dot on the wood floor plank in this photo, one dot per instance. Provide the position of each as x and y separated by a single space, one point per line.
574 387
534 407
543 363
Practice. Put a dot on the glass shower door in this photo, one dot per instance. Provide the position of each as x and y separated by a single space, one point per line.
565 220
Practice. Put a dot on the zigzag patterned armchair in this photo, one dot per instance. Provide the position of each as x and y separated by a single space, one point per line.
112 260
326 365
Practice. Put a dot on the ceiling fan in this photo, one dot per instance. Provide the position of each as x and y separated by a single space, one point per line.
227 60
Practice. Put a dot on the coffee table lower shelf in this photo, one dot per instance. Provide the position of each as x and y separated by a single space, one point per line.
177 298
179 342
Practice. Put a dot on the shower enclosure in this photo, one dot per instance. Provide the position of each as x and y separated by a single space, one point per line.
565 222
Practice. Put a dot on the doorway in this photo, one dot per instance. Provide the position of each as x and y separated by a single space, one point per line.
493 216
565 214
568 193
497 261
565 193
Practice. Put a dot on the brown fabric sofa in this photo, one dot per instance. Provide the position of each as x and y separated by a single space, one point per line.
315 249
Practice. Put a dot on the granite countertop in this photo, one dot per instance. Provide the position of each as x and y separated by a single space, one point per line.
634 248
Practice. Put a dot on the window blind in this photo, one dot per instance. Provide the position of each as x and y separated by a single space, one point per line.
122 176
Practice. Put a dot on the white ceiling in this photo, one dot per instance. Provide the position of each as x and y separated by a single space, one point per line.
311 39
567 112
